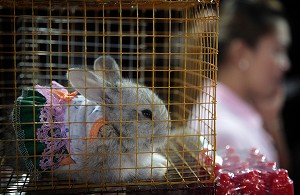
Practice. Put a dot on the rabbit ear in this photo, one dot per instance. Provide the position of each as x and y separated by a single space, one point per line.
88 84
107 67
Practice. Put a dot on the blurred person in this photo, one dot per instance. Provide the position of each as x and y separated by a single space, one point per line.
253 59
254 37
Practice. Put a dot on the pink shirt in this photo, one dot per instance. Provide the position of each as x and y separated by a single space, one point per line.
240 126
237 124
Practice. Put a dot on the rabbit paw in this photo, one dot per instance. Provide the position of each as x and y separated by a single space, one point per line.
159 167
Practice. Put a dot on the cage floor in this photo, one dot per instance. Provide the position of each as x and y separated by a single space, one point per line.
183 177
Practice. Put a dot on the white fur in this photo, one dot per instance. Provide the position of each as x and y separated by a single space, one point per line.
127 147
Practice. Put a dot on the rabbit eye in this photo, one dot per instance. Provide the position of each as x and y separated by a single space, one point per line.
147 113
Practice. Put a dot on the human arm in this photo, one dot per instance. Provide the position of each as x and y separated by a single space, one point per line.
270 109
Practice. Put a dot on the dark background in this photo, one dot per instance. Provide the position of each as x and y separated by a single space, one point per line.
291 111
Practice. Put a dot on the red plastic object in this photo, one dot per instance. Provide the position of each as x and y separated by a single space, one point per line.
250 182
282 184
252 174
225 185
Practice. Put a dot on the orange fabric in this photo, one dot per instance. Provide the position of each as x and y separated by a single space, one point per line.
67 161
96 127
93 134
65 96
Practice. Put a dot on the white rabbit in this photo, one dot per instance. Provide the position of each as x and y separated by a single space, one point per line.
137 125
134 126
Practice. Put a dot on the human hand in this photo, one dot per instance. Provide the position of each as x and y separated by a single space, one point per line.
270 107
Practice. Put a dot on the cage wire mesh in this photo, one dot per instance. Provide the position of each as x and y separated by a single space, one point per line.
168 46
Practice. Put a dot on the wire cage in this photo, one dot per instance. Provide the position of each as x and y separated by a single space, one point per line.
168 46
